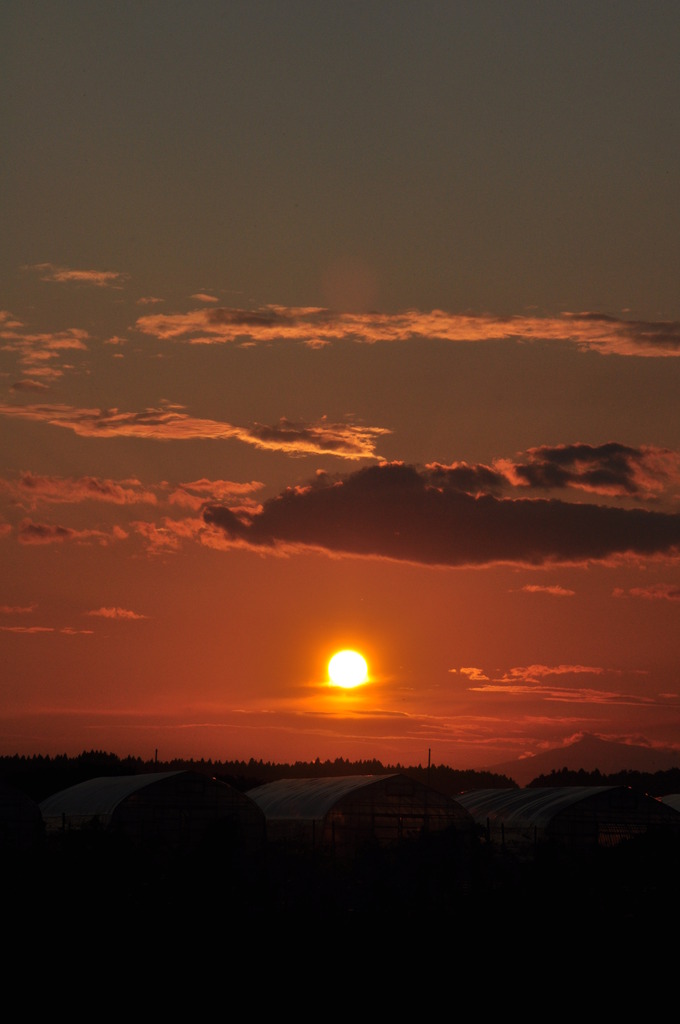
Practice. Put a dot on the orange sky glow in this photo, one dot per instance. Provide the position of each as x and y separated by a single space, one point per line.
294 361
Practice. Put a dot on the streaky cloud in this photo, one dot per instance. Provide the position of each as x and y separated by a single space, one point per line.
343 440
316 326
34 489
67 275
116 613
50 533
29 385
554 591
530 673
27 629
197 493
654 592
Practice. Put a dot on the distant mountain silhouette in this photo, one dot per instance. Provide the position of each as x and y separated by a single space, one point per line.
589 753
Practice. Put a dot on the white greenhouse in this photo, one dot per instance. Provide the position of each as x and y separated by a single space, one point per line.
343 812
575 816
178 808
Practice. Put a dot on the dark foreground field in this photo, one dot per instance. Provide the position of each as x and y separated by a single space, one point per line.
76 875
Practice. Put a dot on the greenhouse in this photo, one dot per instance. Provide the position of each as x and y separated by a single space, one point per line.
584 816
343 812
179 808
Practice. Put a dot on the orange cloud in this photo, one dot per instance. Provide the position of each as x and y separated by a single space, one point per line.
532 673
29 385
316 326
571 696
32 489
44 533
194 495
99 278
34 350
473 674
168 534
554 591
531 681
27 629
116 613
655 592
38 354
346 440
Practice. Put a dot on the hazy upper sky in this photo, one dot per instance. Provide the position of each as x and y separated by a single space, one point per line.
339 325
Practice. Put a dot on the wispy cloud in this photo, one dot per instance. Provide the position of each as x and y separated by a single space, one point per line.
168 534
36 352
554 591
536 682
198 492
534 673
399 512
31 630
31 489
654 592
116 613
67 275
344 440
27 629
472 673
29 385
50 533
318 326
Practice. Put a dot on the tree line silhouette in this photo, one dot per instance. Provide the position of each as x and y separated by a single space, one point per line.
39 776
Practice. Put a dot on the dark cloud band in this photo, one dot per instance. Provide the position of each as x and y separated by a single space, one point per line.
393 511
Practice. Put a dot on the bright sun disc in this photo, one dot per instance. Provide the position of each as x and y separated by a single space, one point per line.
347 669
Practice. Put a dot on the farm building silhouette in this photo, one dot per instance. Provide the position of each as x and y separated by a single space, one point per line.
341 813
570 816
178 808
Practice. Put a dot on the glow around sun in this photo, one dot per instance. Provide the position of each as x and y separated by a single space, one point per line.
347 669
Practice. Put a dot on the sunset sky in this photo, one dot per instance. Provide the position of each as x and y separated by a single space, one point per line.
339 325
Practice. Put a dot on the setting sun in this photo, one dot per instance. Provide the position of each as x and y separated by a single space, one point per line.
347 669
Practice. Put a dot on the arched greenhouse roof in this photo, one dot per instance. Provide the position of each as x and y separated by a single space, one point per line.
535 806
99 796
309 799
577 816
